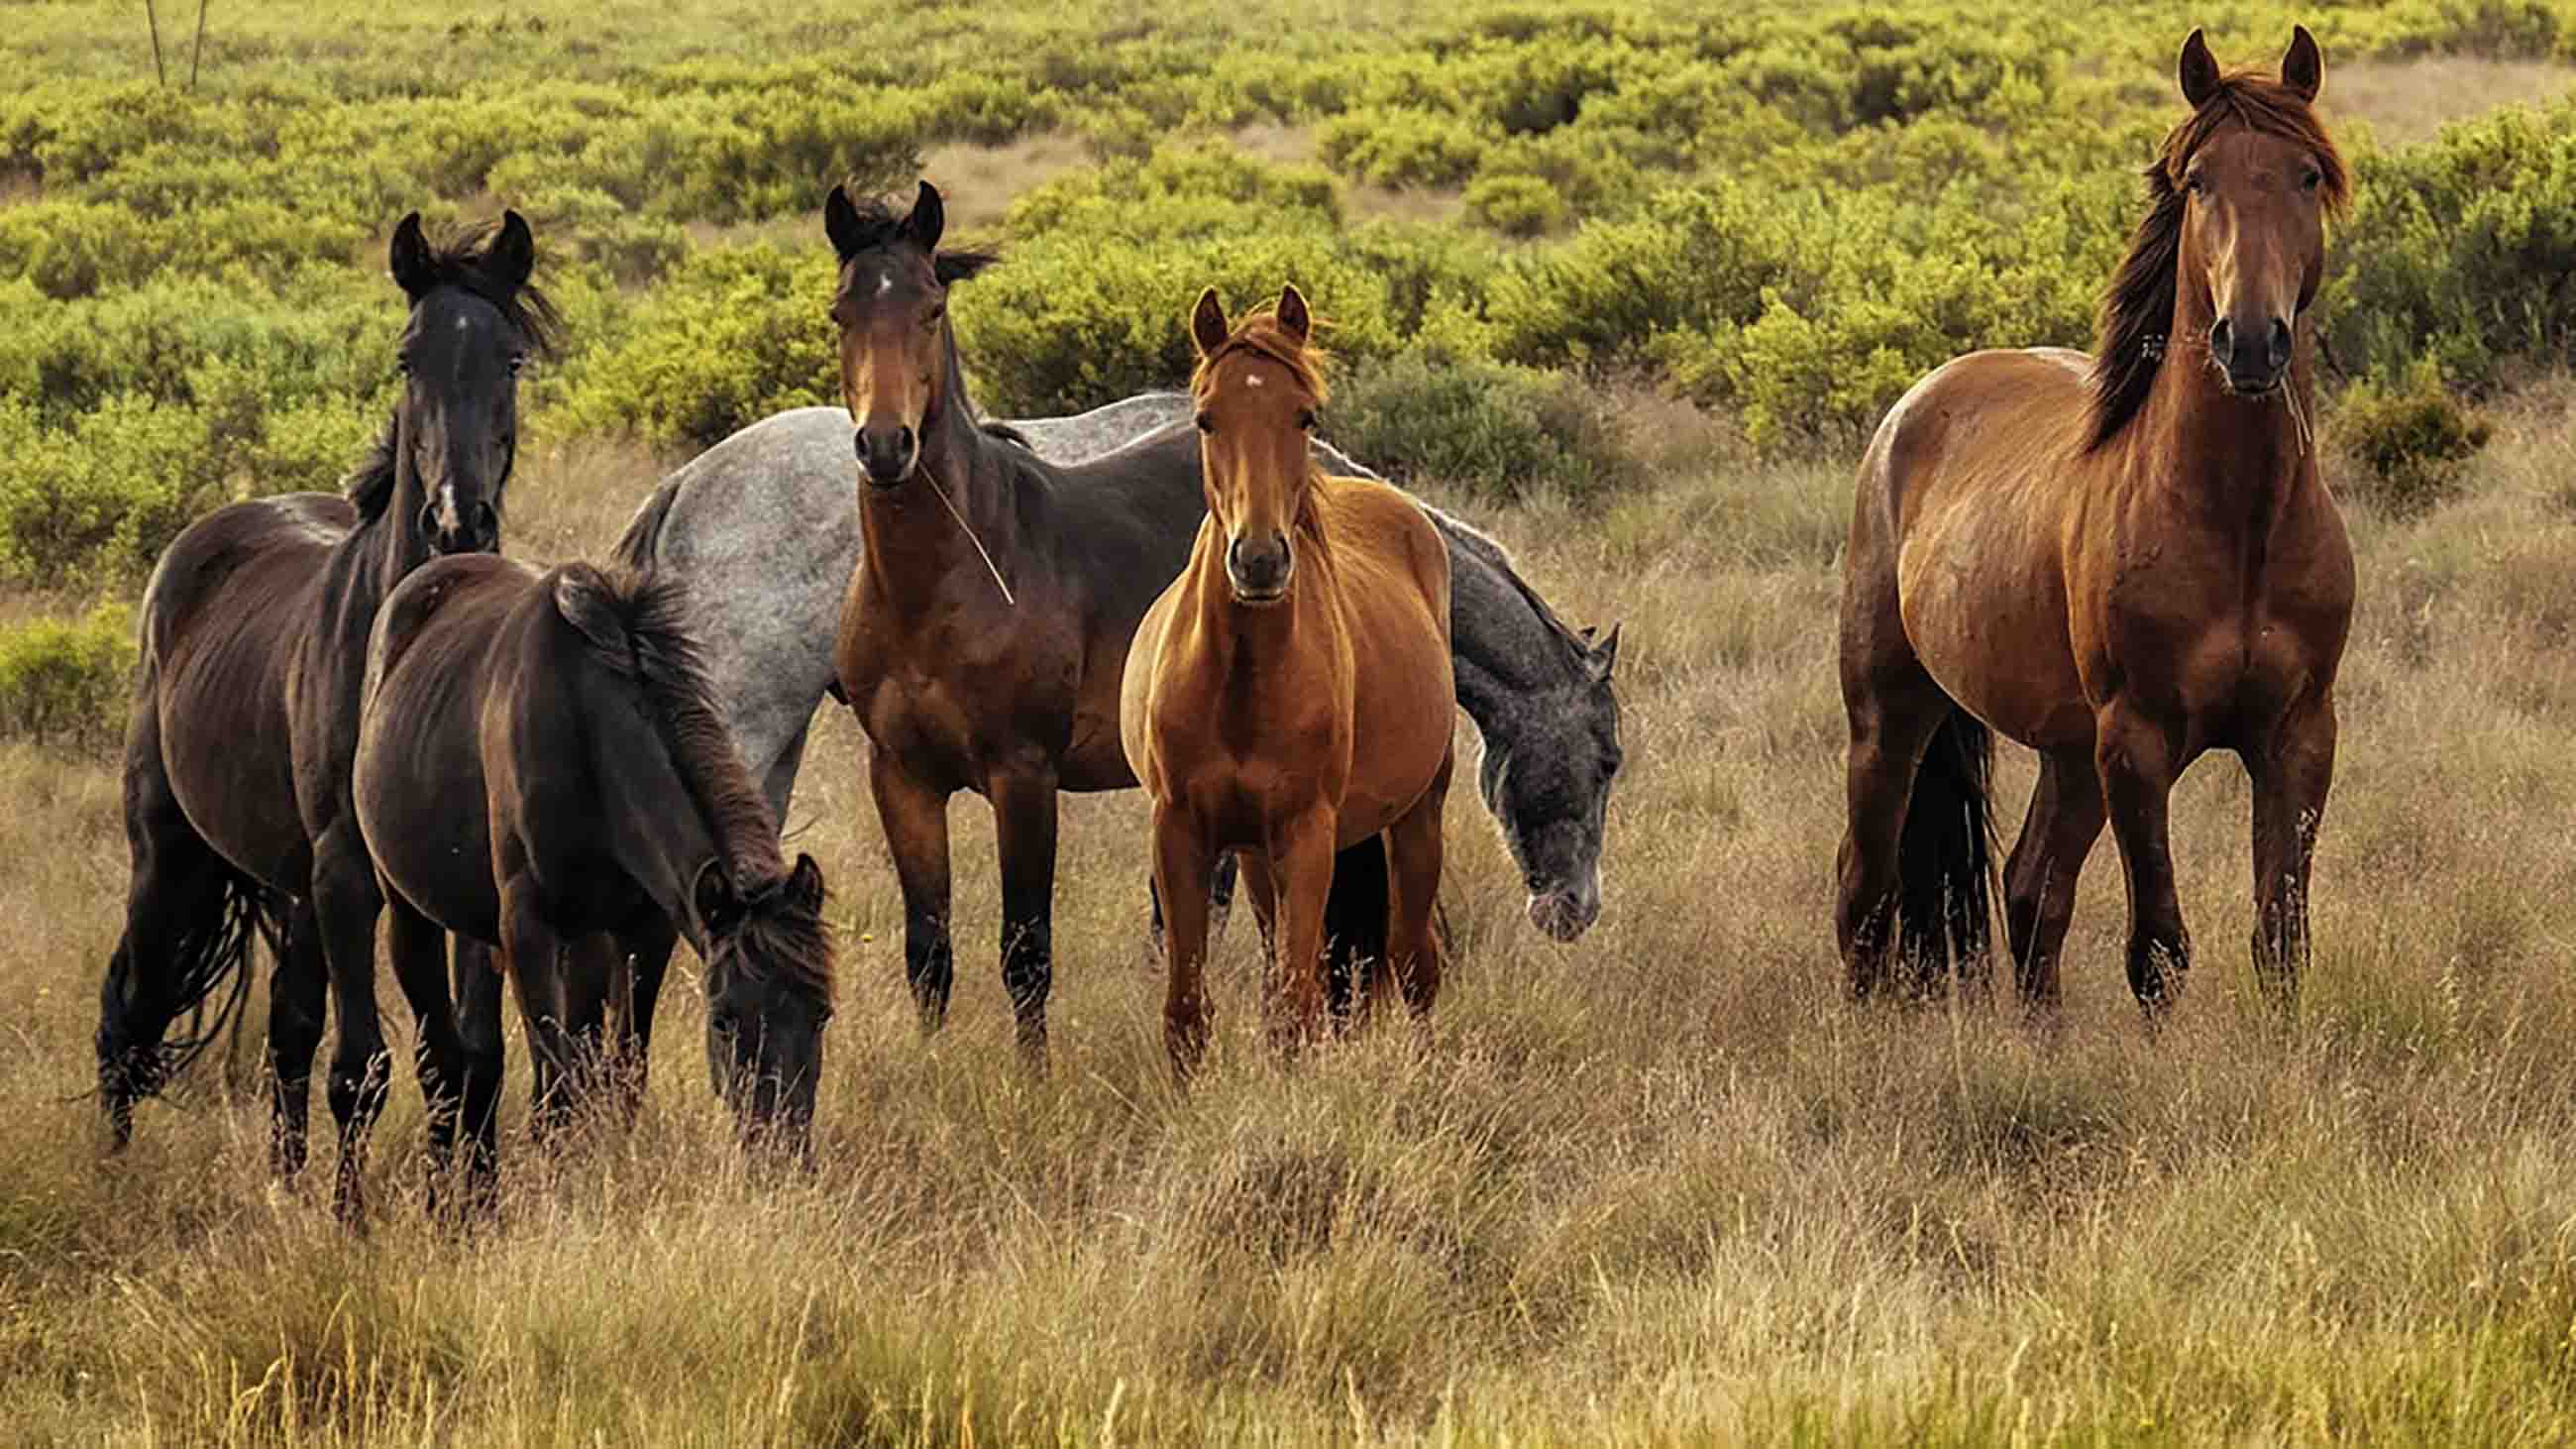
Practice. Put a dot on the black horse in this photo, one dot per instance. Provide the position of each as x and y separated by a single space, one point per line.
254 638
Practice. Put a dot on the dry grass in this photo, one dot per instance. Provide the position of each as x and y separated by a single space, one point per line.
2405 101
1661 1187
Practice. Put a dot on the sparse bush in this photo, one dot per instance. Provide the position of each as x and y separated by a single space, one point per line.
1504 433
1515 205
2412 441
66 681
1402 146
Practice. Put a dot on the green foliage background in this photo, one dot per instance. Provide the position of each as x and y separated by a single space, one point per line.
1785 212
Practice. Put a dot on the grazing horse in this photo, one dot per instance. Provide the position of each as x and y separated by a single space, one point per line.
2120 561
253 641
542 768
1290 695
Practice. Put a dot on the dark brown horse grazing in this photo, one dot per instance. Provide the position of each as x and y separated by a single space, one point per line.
543 768
254 638
2120 561
1290 694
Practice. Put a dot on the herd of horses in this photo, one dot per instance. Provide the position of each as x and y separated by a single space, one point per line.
353 710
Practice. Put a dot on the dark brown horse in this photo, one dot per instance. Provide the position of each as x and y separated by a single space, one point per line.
544 769
1290 694
2121 561
254 637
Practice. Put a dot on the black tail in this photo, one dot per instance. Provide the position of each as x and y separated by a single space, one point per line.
643 536
1946 862
208 967
1355 922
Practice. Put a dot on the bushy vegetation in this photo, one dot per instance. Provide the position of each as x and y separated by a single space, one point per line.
2413 441
66 682
1786 212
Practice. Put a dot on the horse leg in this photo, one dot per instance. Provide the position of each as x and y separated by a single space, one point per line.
2138 761
2291 779
591 967
1359 956
416 948
532 957
1413 855
1891 721
1301 865
915 817
1024 826
1181 860
2039 880
478 1014
297 991
347 900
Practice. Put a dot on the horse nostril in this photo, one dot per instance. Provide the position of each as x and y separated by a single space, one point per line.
429 518
859 445
2280 348
903 442
2222 339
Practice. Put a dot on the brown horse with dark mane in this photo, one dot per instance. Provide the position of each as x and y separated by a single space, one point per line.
1290 694
2121 561
254 639
543 768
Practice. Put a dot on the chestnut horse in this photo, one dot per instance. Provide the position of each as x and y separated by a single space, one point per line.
2118 562
544 768
254 639
1290 694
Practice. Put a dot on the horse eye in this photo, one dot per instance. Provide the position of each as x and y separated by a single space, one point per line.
1306 419
402 365
937 311
2311 180
518 360
1205 423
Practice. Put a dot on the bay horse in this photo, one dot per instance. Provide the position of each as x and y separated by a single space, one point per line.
1290 695
543 768
253 642
2120 561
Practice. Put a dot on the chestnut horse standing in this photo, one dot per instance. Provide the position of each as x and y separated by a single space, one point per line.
2117 562
1290 694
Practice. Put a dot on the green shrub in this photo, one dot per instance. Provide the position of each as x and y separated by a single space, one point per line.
1402 146
728 338
1502 432
2412 441
68 681
1515 205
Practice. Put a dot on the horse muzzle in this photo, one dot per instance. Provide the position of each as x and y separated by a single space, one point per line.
886 455
1258 570
472 530
1564 915
2252 365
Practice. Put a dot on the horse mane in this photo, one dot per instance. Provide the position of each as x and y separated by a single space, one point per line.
635 625
1491 551
1259 333
370 485
2137 309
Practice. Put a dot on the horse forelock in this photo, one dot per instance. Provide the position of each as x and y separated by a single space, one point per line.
654 648
1261 335
464 262
780 933
2138 307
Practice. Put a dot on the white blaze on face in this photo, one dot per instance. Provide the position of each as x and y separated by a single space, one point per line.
885 283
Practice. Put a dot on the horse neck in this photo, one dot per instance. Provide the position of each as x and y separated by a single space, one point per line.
383 550
1505 652
2234 461
910 543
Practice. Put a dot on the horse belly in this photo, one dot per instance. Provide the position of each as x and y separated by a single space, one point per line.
1985 611
225 750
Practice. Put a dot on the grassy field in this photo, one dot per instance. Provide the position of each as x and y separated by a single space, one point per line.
1663 1186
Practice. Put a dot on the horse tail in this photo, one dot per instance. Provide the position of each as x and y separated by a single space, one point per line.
206 977
643 536
1946 860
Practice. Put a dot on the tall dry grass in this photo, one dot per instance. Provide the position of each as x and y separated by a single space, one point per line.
1660 1187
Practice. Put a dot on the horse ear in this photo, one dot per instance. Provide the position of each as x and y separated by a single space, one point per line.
950 268
514 252
805 884
1208 328
713 896
1605 654
2198 71
2303 66
1293 316
929 218
409 258
841 224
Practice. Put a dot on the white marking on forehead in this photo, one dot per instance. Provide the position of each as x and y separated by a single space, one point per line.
463 324
885 283
1252 379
